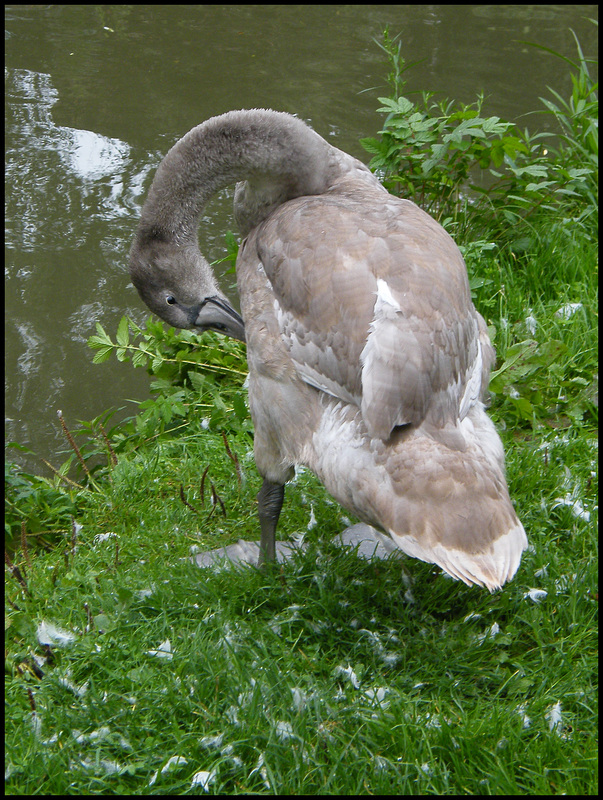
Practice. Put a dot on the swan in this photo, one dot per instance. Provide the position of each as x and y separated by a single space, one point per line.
368 363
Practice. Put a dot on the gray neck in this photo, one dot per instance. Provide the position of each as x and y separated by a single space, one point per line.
278 156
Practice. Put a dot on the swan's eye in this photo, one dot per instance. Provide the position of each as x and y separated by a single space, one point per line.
170 300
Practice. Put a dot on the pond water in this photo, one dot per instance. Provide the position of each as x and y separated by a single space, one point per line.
96 95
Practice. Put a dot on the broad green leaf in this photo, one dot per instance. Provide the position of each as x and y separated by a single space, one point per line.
139 359
102 333
123 332
197 379
240 407
103 354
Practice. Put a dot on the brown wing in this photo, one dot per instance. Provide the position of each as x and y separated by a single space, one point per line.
374 306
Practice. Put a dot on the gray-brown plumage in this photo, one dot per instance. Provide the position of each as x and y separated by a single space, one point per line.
368 362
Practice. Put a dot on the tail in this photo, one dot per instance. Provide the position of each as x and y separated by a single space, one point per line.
455 510
490 567
440 492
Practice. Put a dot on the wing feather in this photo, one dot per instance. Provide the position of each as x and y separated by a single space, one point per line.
374 307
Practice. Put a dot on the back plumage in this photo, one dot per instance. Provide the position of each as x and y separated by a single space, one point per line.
372 365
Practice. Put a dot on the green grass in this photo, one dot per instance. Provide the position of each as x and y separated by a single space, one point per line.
329 674
326 675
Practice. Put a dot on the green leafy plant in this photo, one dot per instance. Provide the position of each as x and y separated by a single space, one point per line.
538 386
193 376
518 204
434 151
42 505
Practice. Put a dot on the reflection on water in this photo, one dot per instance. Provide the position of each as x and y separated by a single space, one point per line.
61 182
96 95
67 166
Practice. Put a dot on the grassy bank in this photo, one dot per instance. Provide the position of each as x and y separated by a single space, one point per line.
131 671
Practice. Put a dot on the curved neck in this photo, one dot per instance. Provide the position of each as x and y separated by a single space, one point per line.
265 148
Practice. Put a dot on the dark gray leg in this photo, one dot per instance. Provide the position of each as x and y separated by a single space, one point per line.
270 502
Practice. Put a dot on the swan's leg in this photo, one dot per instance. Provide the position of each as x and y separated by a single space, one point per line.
270 502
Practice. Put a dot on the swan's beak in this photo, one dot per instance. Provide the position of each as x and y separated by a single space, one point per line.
216 314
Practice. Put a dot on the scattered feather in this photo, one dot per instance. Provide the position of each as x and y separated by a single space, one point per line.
171 766
521 710
67 683
299 698
164 650
312 520
377 696
489 632
106 765
575 505
212 742
36 724
536 595
564 582
259 767
409 597
102 537
553 717
349 673
568 310
284 731
53 636
429 721
381 763
203 779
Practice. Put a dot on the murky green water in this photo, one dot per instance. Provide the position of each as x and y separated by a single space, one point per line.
95 95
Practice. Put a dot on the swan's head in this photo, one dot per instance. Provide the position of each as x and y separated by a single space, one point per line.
178 285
